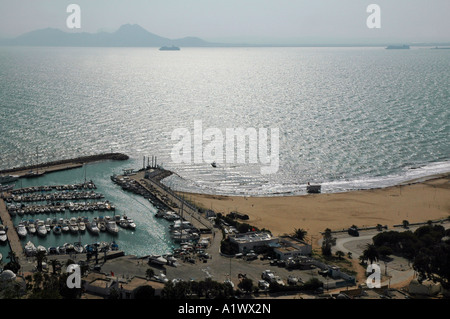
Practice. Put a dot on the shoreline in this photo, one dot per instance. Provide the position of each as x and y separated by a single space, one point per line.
417 200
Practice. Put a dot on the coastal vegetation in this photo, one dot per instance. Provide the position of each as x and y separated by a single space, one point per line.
428 248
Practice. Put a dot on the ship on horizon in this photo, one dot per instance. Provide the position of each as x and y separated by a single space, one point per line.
398 47
169 48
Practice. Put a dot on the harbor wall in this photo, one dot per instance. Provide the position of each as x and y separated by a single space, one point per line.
78 160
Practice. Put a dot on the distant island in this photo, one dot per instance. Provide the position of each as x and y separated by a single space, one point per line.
126 36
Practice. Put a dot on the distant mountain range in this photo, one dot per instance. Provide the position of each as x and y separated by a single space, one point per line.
126 36
133 35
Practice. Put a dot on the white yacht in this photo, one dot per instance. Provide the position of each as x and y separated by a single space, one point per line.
123 223
81 226
41 249
40 228
65 227
3 236
131 224
73 227
31 228
22 230
30 249
111 227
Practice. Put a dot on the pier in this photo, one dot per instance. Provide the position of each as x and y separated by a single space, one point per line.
61 165
13 238
148 184
188 212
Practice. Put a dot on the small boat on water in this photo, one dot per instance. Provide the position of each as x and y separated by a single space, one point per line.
78 248
41 248
70 248
102 226
123 223
6 188
111 227
40 228
31 228
73 227
92 228
3 236
65 227
22 230
30 249
169 48
131 224
57 230
61 250
52 251
81 226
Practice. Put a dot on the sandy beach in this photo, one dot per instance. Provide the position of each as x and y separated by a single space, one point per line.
416 201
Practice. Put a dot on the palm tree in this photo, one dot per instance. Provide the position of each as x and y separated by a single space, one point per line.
328 242
40 258
405 223
371 253
55 263
300 233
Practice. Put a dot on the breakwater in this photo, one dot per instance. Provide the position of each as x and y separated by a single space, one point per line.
69 163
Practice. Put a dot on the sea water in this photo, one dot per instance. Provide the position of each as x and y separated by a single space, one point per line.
348 118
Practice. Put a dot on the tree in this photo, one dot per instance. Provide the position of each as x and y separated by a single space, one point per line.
246 285
13 263
328 242
56 266
339 254
405 223
300 233
40 258
384 252
371 253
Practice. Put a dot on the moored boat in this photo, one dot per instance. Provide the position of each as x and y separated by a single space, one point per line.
3 236
22 230
30 249
111 227
40 228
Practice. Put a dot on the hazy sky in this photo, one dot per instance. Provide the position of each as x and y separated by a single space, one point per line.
240 20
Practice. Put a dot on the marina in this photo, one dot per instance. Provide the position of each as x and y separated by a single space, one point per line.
44 215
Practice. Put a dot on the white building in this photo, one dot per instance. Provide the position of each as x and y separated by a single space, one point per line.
249 241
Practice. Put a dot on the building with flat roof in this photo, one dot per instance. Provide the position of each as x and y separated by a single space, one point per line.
291 247
249 241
